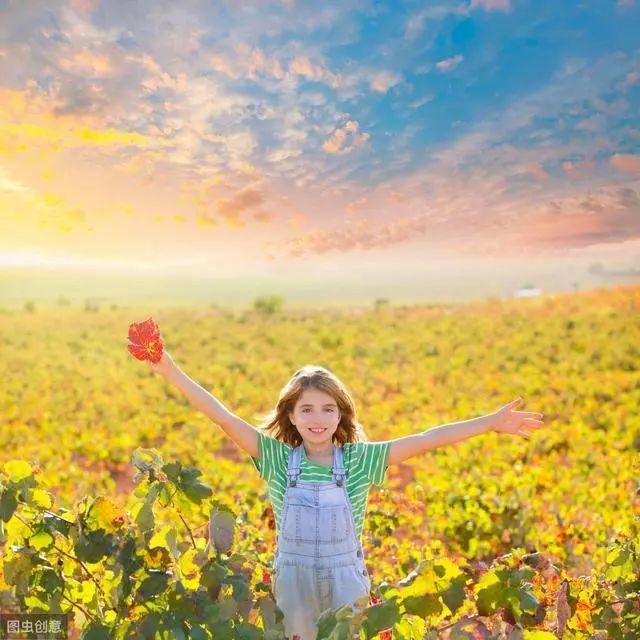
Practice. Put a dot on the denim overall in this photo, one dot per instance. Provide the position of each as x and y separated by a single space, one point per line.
319 563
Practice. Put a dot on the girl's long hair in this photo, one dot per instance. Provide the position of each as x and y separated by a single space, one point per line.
278 424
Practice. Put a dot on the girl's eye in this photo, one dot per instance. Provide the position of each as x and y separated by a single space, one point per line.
305 410
330 410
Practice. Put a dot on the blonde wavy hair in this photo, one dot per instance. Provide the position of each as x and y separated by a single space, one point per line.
278 424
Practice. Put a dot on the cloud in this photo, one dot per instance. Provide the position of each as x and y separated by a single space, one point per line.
416 22
551 226
303 67
359 234
28 120
232 208
203 220
258 63
396 196
573 88
278 155
211 91
594 123
537 171
265 217
420 102
7 183
87 63
625 163
81 31
253 63
580 168
357 205
297 220
449 63
337 143
83 7
384 80
491 5
630 79
609 216
247 62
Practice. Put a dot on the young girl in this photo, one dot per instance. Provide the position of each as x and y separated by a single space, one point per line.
319 467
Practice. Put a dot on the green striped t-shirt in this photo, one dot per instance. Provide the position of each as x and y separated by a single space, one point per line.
365 462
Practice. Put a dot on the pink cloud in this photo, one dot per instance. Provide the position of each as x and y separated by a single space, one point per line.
231 209
632 78
537 171
384 80
578 169
253 63
83 7
476 213
625 162
338 142
302 66
610 216
263 216
355 206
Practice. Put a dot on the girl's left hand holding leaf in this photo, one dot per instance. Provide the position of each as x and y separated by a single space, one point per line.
508 420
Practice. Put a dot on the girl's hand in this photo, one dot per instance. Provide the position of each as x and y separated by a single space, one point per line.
164 365
507 420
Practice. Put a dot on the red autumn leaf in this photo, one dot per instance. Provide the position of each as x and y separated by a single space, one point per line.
142 332
145 342
266 577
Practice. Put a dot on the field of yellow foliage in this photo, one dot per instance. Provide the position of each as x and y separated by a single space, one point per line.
76 405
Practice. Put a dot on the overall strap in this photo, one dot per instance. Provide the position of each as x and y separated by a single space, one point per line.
295 457
293 472
339 473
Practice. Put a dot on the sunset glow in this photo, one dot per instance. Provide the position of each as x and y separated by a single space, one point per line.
254 138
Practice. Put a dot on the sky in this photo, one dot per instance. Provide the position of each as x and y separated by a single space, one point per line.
361 142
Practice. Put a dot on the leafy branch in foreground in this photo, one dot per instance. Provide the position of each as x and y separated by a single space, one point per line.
125 574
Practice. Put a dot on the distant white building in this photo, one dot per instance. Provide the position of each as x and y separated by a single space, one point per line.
527 292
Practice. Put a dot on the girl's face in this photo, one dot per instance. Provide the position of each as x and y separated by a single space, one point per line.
316 416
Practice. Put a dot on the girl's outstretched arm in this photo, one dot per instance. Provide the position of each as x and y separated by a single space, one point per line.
241 432
504 420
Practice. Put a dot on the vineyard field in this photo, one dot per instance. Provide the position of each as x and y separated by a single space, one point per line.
493 537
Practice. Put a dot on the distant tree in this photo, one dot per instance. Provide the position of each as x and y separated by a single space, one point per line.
268 304
30 306
379 303
63 302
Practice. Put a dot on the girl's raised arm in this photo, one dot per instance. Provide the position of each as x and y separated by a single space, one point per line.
504 420
241 432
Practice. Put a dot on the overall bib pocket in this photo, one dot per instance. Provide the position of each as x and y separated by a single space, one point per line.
333 524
